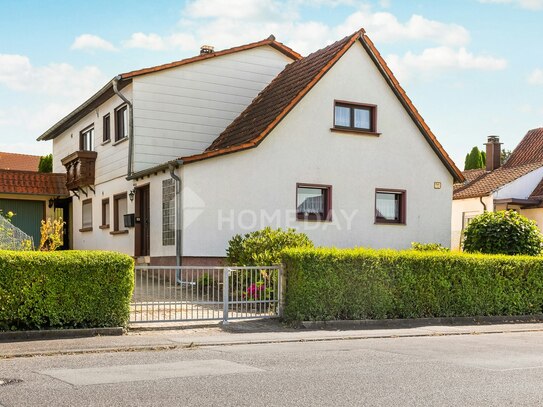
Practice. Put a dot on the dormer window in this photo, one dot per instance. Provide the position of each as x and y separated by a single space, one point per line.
355 117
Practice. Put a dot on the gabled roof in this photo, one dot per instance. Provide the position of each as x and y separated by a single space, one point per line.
32 183
529 150
126 78
537 193
291 85
22 162
489 181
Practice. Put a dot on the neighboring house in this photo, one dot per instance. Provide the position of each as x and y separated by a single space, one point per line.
174 160
32 197
20 162
518 184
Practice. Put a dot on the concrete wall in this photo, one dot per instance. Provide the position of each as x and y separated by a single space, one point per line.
180 111
251 189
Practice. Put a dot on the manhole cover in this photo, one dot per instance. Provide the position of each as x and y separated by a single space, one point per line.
5 382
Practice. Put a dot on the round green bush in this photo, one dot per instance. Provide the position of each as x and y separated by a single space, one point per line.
263 247
503 232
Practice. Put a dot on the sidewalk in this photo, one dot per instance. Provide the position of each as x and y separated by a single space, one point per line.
163 337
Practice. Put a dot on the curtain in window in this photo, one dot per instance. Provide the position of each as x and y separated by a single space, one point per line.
362 119
343 116
388 206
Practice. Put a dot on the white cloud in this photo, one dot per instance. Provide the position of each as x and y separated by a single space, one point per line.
439 59
155 42
17 73
525 4
92 42
253 10
536 77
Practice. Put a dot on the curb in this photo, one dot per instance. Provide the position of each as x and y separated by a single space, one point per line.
19 336
420 322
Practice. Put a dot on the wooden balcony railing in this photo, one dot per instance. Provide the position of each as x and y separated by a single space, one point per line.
79 169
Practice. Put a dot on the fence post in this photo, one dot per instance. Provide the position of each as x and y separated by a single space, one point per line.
225 290
280 288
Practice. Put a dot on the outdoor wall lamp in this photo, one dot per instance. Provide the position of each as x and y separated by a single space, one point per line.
131 195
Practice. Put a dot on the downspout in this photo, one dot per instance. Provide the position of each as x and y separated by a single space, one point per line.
482 203
178 217
130 124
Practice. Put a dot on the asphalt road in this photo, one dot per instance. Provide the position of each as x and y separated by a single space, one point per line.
475 370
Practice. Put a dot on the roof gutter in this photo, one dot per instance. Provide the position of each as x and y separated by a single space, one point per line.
115 82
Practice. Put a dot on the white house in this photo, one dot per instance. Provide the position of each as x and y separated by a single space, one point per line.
231 141
517 185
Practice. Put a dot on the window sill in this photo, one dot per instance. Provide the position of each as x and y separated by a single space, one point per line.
105 142
88 229
103 226
120 141
384 222
119 232
356 131
312 219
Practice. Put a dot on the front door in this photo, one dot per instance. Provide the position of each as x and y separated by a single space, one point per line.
143 235
62 210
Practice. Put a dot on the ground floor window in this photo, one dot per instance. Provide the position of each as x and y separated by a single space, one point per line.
105 214
390 206
168 212
86 215
313 202
120 208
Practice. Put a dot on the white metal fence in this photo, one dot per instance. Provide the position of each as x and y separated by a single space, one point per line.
187 293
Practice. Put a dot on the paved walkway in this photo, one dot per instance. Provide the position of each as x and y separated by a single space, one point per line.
161 337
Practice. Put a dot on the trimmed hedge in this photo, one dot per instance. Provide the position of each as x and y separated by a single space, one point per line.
325 284
66 289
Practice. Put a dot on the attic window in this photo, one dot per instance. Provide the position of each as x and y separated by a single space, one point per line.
355 117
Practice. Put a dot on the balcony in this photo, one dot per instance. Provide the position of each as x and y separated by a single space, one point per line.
79 169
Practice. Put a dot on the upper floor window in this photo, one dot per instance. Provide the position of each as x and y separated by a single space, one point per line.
313 202
390 205
106 129
355 116
86 139
121 123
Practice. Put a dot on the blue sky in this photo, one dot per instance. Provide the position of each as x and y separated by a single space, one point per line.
472 67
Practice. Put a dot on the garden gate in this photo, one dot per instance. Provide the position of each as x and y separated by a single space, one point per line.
187 293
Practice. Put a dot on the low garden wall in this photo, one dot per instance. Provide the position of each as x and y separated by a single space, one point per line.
65 289
328 284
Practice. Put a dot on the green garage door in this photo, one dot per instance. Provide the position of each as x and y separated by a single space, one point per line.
28 215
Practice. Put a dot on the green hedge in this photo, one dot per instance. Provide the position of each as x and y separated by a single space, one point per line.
64 289
325 284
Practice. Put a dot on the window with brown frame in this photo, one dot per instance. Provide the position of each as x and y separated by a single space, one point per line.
314 202
105 214
86 139
86 215
120 208
355 116
106 129
390 206
121 123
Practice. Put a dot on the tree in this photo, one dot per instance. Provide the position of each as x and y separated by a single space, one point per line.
504 156
474 160
503 232
46 163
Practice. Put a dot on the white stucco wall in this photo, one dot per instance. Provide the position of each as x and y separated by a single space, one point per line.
112 158
469 207
180 111
228 192
522 187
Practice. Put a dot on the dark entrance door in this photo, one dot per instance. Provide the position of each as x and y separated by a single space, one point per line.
143 235
62 210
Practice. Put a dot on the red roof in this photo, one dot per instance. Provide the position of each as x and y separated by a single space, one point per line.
21 162
32 183
291 85
529 150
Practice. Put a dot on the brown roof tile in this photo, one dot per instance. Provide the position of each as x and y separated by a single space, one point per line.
33 183
470 176
486 182
529 150
21 162
537 193
286 90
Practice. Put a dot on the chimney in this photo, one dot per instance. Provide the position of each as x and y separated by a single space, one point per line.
493 153
206 49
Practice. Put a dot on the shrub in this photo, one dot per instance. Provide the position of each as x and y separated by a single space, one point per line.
70 289
46 163
51 232
503 232
324 284
263 247
429 247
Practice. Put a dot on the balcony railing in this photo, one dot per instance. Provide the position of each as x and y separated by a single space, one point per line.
79 169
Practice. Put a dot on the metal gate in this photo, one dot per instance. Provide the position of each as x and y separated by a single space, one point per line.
163 293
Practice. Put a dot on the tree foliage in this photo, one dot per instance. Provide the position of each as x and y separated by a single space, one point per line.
503 232
46 163
475 159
